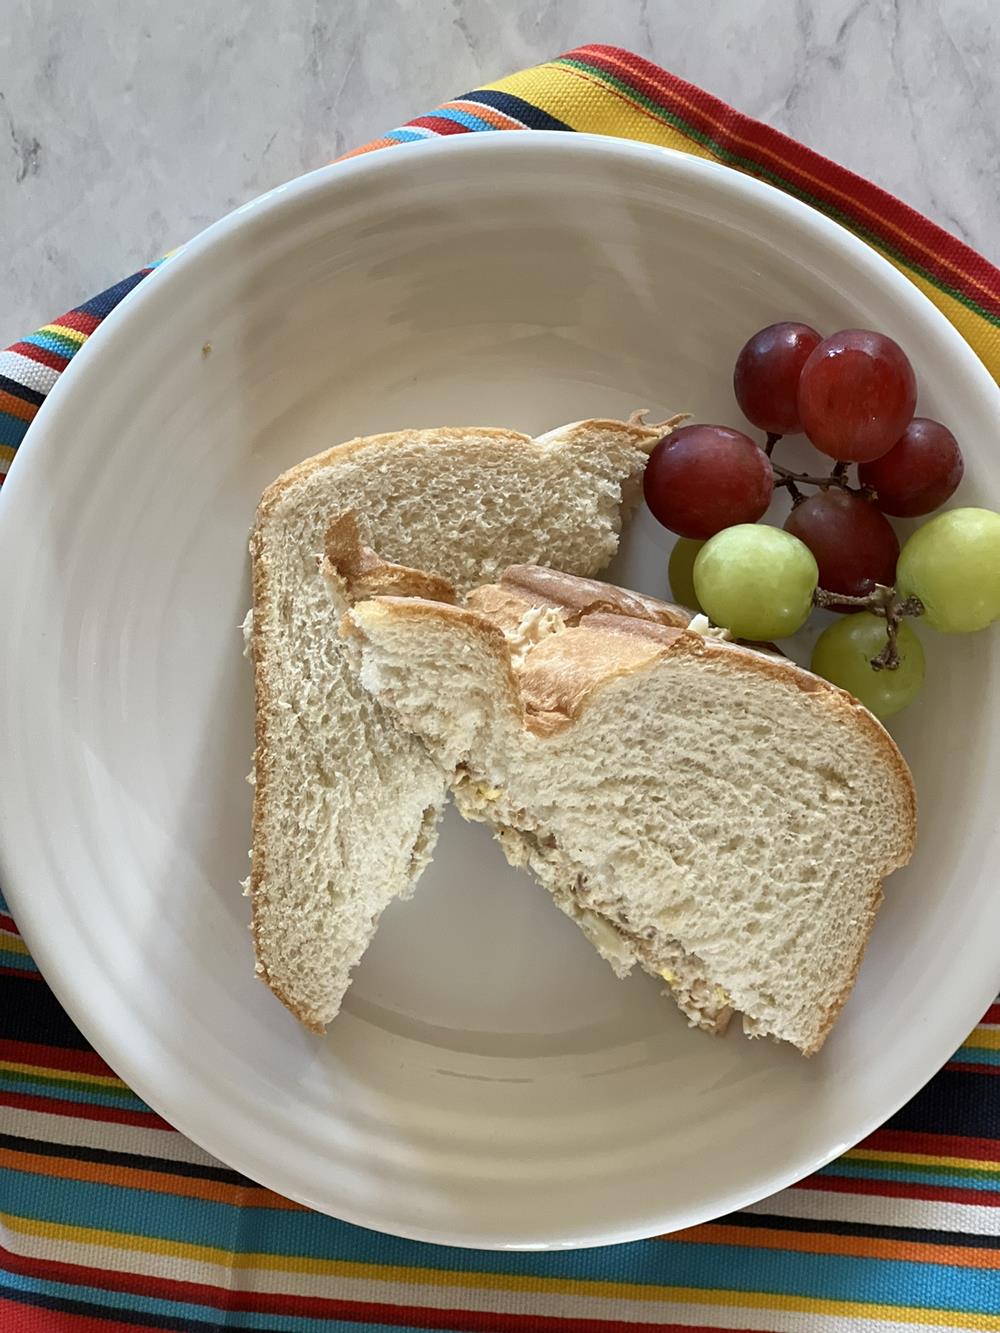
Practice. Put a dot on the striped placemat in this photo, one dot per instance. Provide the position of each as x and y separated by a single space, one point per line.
109 1219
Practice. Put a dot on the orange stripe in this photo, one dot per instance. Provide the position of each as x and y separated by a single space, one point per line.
368 148
156 1182
17 407
756 150
488 113
858 1247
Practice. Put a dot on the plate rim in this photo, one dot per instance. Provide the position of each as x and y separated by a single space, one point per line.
54 962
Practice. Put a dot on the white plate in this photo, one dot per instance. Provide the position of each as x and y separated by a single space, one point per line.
490 1083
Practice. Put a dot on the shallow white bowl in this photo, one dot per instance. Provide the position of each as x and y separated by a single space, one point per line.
490 1083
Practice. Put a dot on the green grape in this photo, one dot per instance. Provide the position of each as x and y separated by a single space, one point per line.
952 563
680 571
844 652
756 581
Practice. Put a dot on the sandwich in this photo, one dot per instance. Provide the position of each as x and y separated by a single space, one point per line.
705 811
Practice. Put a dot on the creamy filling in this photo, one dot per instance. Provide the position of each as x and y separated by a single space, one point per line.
600 915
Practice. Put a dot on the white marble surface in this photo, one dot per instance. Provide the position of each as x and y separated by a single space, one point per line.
124 129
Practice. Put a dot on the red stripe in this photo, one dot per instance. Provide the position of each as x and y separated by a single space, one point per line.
439 124
868 206
937 1145
32 974
54 1057
16 1318
79 320
899 1189
7 923
40 354
970 1067
111 1115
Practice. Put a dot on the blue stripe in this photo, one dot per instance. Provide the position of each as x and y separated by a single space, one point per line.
911 1175
24 1083
465 118
678 1263
12 429
23 962
104 302
975 1055
53 342
3 905
407 136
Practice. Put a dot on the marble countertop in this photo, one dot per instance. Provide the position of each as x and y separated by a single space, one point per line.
122 136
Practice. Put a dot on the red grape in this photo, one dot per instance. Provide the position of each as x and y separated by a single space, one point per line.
702 479
857 392
766 378
854 545
920 471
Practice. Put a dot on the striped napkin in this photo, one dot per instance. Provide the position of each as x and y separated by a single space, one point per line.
111 1220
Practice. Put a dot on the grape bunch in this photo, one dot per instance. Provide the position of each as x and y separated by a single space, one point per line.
853 395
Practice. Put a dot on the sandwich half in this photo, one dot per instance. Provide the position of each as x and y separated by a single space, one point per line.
346 803
709 812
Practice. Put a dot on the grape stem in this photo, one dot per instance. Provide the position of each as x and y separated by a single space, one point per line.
784 476
881 601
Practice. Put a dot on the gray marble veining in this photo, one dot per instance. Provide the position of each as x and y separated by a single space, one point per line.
124 129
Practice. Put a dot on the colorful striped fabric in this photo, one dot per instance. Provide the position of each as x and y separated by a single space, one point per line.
111 1220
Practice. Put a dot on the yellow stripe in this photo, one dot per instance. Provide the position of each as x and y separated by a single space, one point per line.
7 452
557 89
13 944
61 331
61 1075
984 1039
525 1283
903 1314
921 1159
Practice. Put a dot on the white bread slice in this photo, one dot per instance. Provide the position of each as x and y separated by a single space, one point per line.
718 815
345 804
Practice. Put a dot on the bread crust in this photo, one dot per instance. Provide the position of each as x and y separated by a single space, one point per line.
522 587
641 435
360 573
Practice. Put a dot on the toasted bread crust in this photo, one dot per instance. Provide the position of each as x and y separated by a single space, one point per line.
362 573
522 587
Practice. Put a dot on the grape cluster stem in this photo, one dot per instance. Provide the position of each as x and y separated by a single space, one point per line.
882 601
784 476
